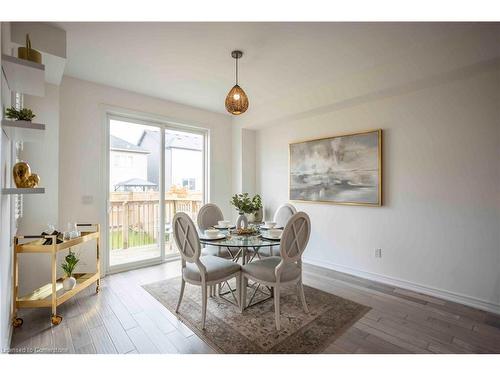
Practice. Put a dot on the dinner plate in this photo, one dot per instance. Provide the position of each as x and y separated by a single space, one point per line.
224 228
268 237
220 236
267 228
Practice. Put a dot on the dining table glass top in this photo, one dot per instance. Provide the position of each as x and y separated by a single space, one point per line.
235 240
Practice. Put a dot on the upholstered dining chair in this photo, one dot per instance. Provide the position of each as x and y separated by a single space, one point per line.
277 272
281 216
283 213
205 271
209 215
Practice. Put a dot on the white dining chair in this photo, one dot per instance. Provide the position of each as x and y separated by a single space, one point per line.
205 271
209 215
277 272
281 216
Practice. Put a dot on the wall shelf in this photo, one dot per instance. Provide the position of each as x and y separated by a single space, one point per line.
24 76
23 124
37 190
24 131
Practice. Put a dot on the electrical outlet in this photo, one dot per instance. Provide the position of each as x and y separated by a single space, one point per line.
378 253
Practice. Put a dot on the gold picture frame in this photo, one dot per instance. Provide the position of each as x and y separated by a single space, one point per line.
364 190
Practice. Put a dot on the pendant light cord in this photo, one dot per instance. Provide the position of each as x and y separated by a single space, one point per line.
237 70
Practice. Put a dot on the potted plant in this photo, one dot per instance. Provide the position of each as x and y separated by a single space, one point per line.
24 114
68 267
245 206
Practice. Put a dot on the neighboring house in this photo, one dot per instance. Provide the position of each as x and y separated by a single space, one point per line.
183 159
128 161
135 184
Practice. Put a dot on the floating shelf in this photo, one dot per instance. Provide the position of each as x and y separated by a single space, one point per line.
24 76
23 124
24 131
37 190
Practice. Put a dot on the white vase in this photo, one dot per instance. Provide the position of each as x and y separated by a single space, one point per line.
242 221
69 283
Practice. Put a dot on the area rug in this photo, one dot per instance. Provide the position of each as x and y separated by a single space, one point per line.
254 331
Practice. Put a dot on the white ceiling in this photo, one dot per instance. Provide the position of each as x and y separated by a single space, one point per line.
190 63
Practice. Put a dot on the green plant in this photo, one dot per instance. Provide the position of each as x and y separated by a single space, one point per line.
245 204
70 264
24 114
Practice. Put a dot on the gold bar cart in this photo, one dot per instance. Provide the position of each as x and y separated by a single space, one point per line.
52 294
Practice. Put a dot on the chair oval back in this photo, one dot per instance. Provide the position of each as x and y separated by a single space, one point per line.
295 237
283 214
186 237
208 216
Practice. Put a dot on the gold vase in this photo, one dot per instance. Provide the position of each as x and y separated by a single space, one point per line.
28 53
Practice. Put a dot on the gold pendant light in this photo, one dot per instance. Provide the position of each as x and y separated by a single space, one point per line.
236 99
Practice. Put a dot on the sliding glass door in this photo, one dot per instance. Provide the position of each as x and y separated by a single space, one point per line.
155 170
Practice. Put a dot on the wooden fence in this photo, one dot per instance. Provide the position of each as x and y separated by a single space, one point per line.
134 217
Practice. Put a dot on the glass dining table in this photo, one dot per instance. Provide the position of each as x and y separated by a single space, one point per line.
245 247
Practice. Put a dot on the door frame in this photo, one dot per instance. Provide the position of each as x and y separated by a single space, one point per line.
163 123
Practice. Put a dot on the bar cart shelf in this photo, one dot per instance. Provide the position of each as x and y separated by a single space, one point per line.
52 294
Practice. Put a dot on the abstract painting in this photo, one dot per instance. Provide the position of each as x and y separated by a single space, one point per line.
343 169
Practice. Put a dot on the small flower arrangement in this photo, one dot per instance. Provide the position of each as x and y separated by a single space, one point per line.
24 114
246 205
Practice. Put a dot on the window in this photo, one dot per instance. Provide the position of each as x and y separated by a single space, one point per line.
189 183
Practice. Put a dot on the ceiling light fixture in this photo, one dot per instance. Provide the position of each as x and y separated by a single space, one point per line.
236 99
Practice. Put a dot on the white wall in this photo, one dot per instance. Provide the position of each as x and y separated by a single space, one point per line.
82 152
39 210
439 228
5 208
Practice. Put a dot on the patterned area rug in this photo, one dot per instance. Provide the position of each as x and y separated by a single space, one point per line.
254 331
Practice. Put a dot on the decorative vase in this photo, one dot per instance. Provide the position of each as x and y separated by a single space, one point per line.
69 283
242 221
251 218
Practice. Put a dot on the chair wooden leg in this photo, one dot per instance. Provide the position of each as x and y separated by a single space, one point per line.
238 289
302 297
203 305
277 306
183 285
243 292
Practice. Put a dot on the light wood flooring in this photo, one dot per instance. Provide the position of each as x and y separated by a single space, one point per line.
123 318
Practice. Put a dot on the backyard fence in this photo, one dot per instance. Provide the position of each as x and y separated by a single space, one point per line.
134 217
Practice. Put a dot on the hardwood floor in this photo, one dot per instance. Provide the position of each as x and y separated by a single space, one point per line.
123 318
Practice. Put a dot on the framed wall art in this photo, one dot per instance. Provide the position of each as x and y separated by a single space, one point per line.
344 169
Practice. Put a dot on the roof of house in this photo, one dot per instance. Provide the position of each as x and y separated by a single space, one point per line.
136 182
118 144
176 140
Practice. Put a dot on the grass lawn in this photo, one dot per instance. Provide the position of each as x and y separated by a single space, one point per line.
134 239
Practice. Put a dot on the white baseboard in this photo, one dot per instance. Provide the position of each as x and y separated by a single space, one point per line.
431 291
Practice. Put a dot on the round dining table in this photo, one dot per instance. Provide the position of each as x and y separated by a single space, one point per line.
244 247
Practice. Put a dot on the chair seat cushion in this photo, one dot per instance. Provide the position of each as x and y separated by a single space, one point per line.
215 251
217 268
266 251
263 269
